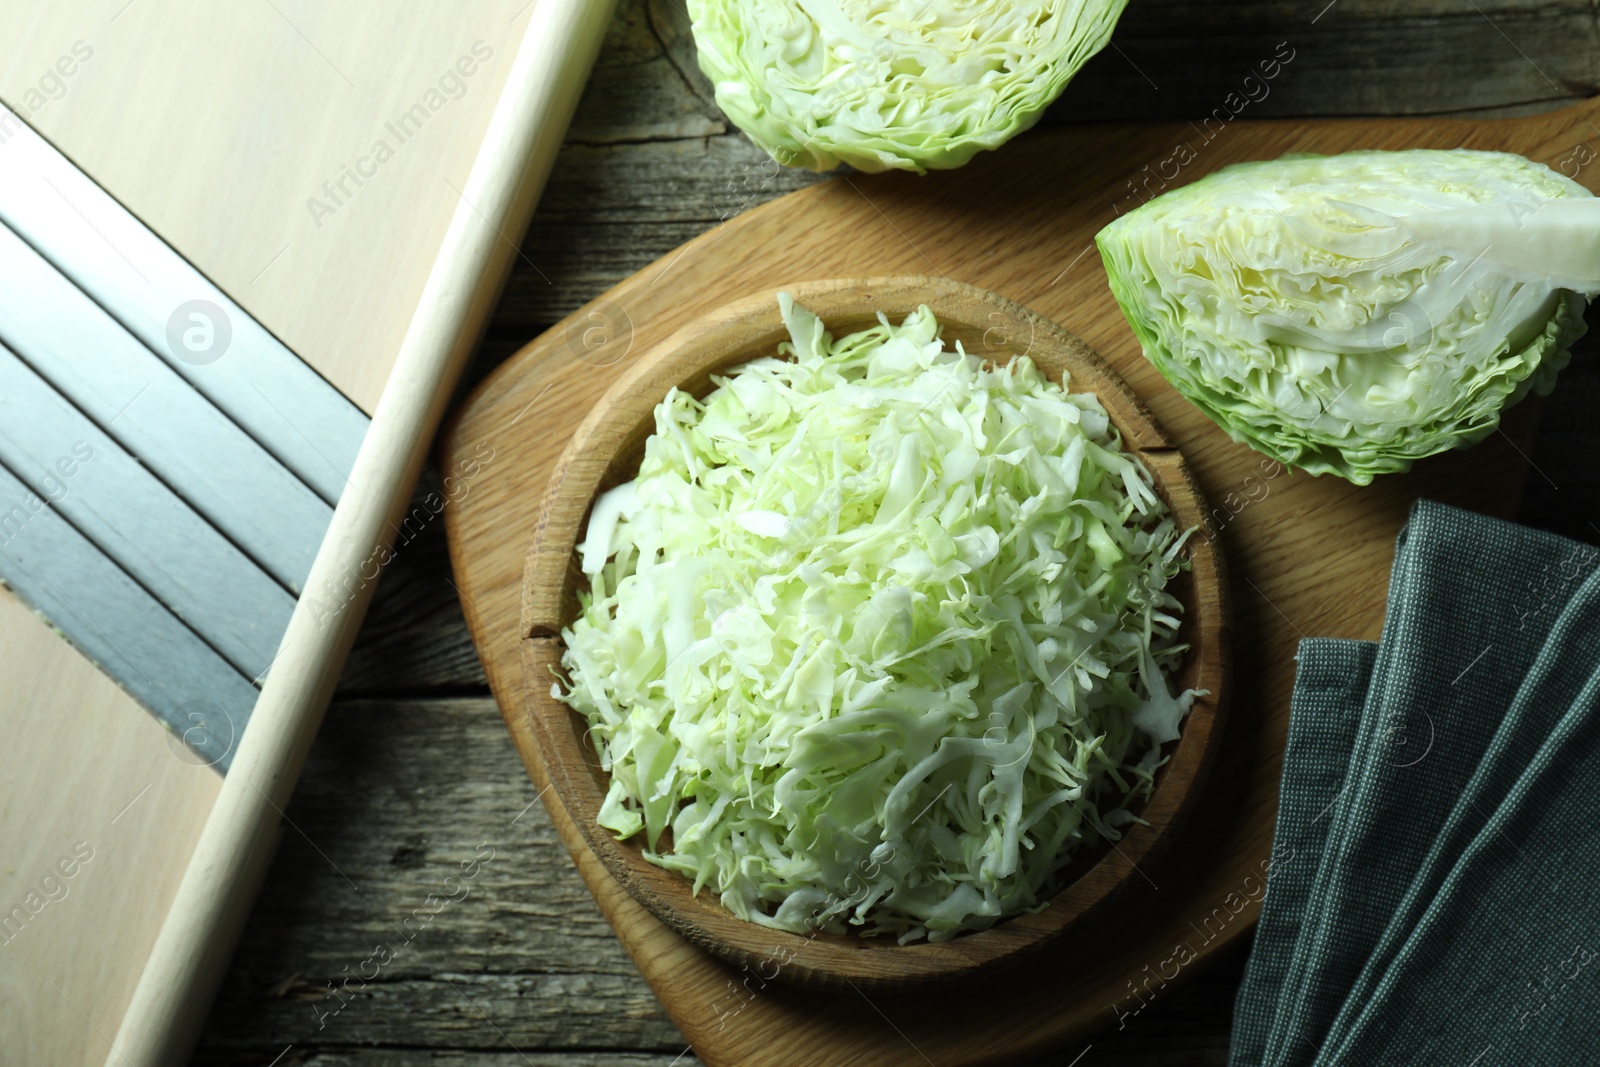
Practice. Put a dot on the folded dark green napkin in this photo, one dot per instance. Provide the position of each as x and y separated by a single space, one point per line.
1330 686
1471 603
1559 685
1449 662
1490 957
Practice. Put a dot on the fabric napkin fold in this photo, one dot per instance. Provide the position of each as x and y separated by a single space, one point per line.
1558 686
1471 603
1490 958
1330 687
1449 662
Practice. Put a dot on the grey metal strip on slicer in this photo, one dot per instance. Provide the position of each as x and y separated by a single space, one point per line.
129 392
274 395
168 468
136 520
120 626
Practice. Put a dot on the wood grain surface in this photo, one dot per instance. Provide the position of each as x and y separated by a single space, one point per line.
1313 562
413 768
606 450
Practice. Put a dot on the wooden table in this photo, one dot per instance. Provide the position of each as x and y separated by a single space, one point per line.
420 909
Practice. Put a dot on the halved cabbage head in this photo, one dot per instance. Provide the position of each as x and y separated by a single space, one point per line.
1350 314
879 633
892 84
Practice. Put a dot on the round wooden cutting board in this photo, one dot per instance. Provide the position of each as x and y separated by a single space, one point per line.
1308 556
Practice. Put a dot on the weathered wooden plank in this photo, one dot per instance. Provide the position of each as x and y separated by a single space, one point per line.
420 887
584 261
639 91
1354 66
699 180
456 1010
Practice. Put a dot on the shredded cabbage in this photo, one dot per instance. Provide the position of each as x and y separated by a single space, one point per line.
1351 314
876 633
892 84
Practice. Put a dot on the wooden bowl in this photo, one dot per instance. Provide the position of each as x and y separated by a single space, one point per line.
606 450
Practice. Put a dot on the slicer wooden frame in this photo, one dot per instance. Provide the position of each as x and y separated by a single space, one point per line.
387 301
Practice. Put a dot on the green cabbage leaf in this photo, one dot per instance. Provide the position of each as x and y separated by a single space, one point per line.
1351 314
892 84
878 636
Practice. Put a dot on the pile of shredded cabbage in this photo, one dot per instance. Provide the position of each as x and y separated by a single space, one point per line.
877 632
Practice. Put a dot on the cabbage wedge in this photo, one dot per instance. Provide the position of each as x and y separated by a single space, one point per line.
1351 314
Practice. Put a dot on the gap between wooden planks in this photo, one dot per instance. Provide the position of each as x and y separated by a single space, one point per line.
1309 557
